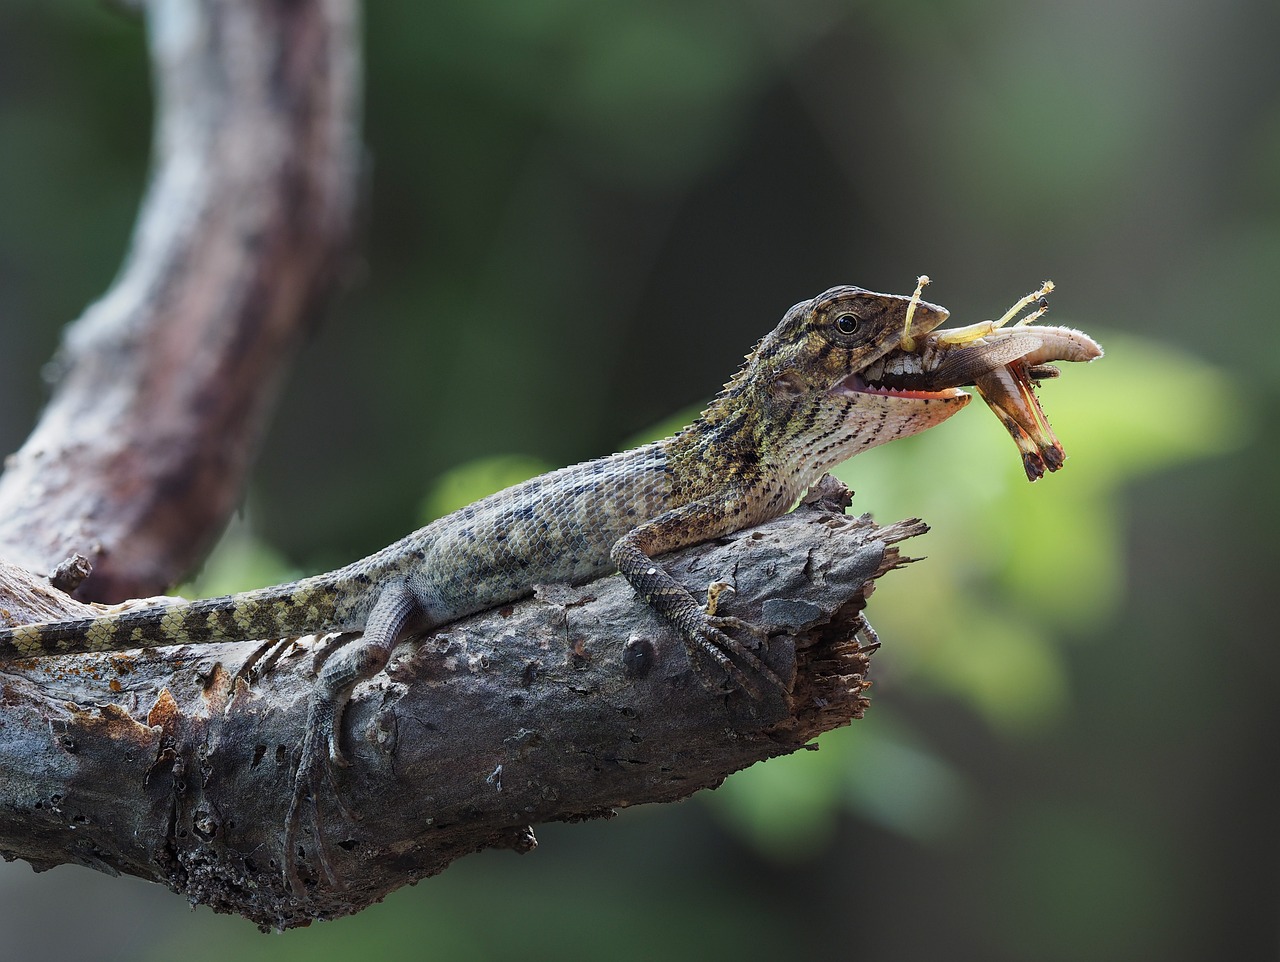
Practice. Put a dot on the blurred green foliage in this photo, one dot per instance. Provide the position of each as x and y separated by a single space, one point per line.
1021 567
580 214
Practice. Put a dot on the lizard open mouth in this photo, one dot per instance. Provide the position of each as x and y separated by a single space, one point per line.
893 386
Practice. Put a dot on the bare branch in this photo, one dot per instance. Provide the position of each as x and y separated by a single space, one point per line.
177 765
165 382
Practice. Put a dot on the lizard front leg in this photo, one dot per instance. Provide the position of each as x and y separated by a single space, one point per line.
704 635
396 608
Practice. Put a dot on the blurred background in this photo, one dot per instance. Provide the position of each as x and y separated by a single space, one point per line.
581 213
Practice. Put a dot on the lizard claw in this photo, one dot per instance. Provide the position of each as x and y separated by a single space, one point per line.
312 773
320 754
714 591
339 671
337 757
728 623
740 663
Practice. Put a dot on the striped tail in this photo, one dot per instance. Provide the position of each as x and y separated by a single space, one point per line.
283 611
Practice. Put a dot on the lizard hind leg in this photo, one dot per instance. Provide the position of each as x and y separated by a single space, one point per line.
345 667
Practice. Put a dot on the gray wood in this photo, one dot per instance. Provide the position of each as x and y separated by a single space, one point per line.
176 764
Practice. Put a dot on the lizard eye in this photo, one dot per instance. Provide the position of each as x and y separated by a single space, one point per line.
848 323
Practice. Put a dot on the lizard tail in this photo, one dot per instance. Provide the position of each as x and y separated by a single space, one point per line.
282 611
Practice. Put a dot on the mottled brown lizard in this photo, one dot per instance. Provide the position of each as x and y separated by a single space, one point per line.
799 406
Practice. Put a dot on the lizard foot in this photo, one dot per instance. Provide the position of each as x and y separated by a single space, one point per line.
321 753
341 666
311 775
264 659
739 661
318 757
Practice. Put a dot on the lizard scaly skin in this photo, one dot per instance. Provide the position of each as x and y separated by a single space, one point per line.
797 407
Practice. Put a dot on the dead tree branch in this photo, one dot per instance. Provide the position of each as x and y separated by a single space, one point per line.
176 765
165 383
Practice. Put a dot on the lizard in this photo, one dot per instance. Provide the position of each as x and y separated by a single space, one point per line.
797 407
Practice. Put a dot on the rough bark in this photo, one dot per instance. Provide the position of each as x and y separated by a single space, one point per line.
164 384
176 765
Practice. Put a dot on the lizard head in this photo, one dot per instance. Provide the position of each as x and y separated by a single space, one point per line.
803 385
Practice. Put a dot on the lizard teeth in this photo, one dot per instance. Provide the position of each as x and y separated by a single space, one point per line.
857 384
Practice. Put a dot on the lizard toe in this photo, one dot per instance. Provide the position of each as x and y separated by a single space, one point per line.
744 668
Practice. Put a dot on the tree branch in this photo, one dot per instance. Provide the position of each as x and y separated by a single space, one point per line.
176 765
165 383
